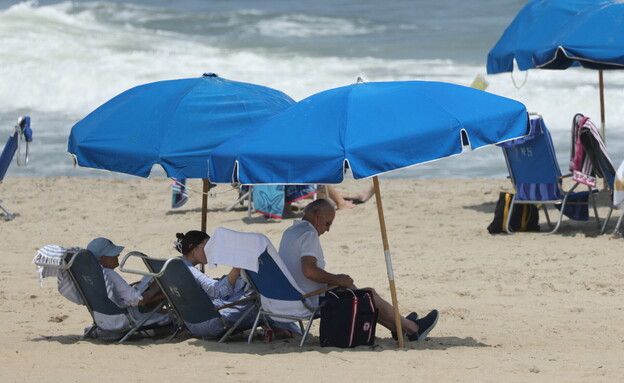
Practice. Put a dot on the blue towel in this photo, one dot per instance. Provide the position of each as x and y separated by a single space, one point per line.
269 200
576 212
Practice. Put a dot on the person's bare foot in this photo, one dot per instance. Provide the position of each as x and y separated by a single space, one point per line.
279 333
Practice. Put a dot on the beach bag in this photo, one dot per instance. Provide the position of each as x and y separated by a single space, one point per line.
348 318
524 217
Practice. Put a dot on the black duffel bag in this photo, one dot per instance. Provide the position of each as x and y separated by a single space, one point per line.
348 318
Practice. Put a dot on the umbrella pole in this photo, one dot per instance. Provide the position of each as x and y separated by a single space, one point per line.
204 215
602 106
602 118
384 238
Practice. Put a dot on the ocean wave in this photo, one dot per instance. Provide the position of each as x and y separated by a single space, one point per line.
302 25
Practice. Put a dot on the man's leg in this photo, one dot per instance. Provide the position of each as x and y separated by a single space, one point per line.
386 315
336 196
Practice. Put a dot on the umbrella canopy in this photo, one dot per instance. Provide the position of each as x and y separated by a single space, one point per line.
173 123
557 34
372 128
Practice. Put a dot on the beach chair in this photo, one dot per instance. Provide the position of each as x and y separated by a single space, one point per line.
281 299
617 198
186 298
537 179
86 273
589 159
21 132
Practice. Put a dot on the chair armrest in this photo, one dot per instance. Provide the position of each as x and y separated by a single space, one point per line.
319 291
141 272
244 300
313 293
64 266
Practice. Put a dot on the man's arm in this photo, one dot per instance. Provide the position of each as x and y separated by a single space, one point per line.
313 272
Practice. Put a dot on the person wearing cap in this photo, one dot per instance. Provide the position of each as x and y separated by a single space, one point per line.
120 292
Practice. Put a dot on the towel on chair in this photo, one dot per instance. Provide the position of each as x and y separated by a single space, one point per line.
230 248
54 255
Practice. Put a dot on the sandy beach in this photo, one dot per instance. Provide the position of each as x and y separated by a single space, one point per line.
515 308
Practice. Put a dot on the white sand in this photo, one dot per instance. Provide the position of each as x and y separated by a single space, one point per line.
520 308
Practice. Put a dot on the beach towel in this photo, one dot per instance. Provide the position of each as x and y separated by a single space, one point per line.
179 193
232 248
618 188
269 200
589 157
54 255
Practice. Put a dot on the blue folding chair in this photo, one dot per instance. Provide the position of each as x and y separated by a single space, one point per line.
21 132
188 301
537 179
279 296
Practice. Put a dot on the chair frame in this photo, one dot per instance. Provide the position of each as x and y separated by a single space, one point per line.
286 290
563 201
173 301
69 260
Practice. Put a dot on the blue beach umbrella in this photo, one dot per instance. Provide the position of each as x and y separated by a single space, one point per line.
557 34
174 123
371 128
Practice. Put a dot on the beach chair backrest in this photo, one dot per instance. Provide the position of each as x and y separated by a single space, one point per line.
271 281
183 291
596 151
87 274
533 166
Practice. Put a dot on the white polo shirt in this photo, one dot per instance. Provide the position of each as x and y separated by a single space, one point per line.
300 240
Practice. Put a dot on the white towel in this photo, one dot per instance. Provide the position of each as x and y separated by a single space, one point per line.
236 249
618 192
54 255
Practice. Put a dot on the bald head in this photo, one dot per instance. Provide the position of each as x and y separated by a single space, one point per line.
320 213
317 205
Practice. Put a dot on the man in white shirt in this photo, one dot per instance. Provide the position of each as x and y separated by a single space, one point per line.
300 249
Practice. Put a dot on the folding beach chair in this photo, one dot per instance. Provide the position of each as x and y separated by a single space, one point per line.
589 159
281 298
617 200
188 301
21 132
536 176
86 273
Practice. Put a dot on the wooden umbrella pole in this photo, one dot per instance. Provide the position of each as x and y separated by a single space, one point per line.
384 238
204 216
602 106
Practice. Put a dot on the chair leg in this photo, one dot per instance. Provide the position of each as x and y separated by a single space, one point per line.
604 225
7 214
251 334
235 325
88 332
619 222
307 330
511 205
175 333
138 325
239 200
593 200
547 215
